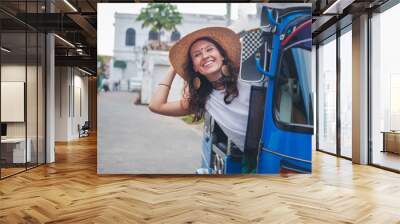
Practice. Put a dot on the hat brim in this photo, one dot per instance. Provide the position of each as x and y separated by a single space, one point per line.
225 37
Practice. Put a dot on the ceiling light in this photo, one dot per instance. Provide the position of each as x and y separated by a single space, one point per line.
5 50
86 72
79 51
65 41
70 5
338 6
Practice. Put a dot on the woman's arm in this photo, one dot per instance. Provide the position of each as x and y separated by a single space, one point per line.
158 103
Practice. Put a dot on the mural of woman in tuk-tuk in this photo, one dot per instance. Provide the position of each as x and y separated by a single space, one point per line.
252 89
208 60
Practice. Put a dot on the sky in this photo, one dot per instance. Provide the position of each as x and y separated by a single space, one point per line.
105 17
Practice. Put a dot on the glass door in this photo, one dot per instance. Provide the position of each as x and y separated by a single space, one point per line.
14 154
22 78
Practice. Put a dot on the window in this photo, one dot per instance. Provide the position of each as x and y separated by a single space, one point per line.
153 35
175 36
345 93
327 96
385 89
334 75
130 37
293 100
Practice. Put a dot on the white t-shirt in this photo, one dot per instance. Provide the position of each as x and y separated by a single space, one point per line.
232 118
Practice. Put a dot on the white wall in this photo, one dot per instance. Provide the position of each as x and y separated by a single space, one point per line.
33 126
70 83
79 117
16 73
61 103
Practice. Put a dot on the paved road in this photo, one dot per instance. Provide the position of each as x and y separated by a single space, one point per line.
133 140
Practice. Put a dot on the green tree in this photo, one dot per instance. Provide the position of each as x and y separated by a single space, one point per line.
160 16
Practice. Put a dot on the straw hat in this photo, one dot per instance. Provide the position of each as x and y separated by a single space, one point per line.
225 37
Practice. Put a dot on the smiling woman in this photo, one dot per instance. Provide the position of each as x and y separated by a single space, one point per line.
208 60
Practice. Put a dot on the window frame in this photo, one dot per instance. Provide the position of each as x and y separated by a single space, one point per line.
176 32
293 127
150 35
130 37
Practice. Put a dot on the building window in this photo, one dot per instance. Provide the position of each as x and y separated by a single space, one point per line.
130 37
327 95
120 64
153 35
175 36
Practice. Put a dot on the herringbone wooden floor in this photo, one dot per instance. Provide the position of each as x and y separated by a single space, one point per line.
70 191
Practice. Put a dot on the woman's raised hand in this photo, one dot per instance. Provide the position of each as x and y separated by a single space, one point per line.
171 71
158 102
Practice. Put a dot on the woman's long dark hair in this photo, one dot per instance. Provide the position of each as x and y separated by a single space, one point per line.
199 97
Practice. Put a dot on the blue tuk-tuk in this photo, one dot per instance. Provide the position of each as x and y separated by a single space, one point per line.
277 58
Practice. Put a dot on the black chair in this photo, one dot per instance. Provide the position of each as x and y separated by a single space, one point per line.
84 130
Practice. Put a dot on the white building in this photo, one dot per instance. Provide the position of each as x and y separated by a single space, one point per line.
130 38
